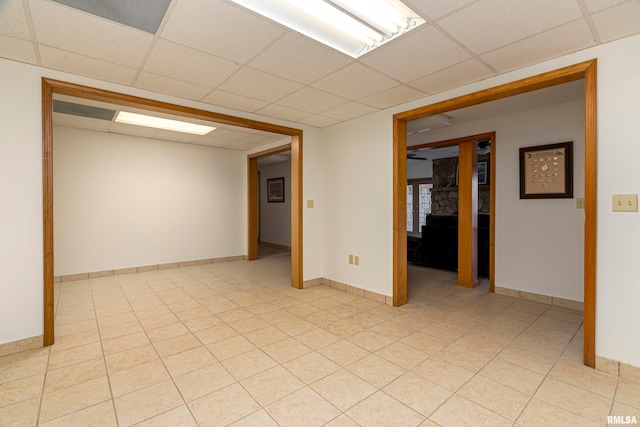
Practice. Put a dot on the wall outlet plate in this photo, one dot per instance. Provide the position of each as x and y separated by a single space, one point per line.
580 203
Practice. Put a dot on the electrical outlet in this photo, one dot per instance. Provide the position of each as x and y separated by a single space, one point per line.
625 203
309 204
350 259
580 203
357 260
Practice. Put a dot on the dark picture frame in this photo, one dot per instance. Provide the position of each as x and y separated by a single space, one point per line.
275 190
546 171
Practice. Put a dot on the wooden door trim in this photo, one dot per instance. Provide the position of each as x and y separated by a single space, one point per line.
586 70
52 86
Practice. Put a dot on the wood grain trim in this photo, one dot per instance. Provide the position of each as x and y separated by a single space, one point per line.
492 213
590 224
584 70
47 212
271 151
399 211
468 214
253 208
297 278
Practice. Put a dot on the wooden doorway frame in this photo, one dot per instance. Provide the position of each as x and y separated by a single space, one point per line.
51 87
491 137
296 205
586 70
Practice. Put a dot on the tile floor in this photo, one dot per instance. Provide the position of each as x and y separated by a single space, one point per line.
234 344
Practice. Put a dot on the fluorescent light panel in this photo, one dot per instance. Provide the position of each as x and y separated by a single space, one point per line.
353 27
160 123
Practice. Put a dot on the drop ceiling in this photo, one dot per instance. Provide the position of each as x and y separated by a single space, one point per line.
219 53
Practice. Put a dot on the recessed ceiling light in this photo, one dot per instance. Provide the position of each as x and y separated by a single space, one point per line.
159 123
353 27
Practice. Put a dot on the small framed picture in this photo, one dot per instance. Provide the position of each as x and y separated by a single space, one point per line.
546 171
275 190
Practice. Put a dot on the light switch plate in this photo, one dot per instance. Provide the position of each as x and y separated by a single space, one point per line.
625 203
309 204
580 203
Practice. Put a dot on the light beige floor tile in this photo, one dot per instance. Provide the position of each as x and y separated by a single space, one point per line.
392 329
21 414
628 393
176 345
317 338
66 342
459 411
180 416
464 357
626 412
215 334
257 419
100 415
234 315
18 390
248 364
481 344
573 399
542 414
286 350
585 378
231 347
162 333
443 331
302 408
74 374
499 398
376 370
512 376
137 377
23 368
24 355
265 336
343 389
402 355
370 340
526 359
271 385
343 328
125 342
342 421
381 409
343 352
130 358
419 394
443 373
311 367
294 327
188 361
425 342
146 403
201 382
200 323
74 398
224 406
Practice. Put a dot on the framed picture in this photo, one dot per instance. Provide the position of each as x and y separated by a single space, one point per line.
482 173
546 171
275 190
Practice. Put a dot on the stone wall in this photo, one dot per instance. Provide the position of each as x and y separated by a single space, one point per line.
444 194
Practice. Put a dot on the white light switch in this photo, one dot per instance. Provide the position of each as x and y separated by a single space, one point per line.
625 203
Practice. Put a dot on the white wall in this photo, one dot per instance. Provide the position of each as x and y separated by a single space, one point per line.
541 235
358 201
125 201
275 218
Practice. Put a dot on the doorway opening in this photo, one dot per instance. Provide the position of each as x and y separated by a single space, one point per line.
51 87
586 71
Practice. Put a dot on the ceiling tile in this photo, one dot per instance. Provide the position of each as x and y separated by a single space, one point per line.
391 97
85 66
75 31
13 21
284 113
229 133
349 111
259 85
319 121
162 84
508 21
202 24
169 135
299 58
312 100
125 129
235 101
550 44
355 81
619 21
434 9
452 77
416 54
17 49
189 65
